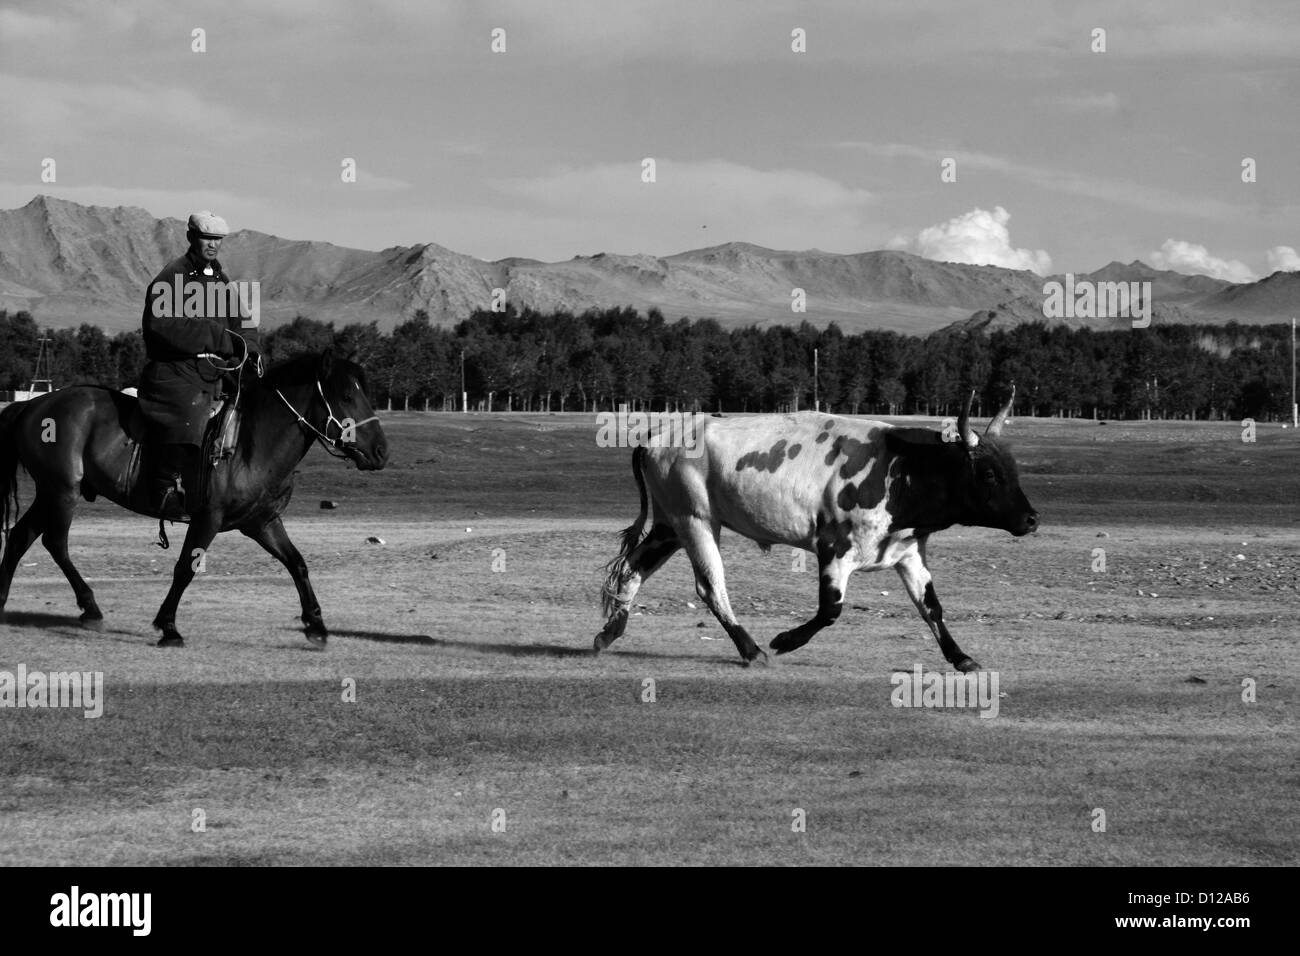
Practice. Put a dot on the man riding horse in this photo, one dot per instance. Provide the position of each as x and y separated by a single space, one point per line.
188 350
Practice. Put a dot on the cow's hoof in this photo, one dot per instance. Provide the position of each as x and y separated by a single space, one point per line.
95 623
788 641
171 640
759 659
603 640
967 665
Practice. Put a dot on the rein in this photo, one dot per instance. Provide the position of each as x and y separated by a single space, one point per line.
331 445
213 359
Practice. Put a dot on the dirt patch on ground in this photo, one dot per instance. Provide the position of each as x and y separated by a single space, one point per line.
476 700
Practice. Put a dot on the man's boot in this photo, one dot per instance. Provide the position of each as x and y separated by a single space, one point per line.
165 487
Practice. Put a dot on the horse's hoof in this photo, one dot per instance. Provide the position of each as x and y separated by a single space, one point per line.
171 640
967 665
92 623
600 643
317 634
759 658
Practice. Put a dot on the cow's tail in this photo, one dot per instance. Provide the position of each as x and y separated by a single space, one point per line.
631 536
9 463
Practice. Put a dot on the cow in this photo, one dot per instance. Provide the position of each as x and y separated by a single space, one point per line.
857 494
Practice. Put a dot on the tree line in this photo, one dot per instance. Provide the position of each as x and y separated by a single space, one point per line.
594 361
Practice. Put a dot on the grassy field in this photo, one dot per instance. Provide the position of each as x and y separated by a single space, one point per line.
477 699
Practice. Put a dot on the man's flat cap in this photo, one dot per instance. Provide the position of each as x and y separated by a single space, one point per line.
208 225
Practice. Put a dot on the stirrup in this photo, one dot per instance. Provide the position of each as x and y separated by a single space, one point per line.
177 490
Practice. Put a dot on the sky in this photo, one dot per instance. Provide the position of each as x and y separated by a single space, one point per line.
1066 157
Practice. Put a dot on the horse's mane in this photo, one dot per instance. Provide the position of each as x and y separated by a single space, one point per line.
301 369
295 370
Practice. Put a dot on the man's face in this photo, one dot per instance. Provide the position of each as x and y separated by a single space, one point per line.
207 246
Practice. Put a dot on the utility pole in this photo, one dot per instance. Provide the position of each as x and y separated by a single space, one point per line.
1295 409
817 405
464 396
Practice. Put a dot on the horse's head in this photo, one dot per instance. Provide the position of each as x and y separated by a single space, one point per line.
354 429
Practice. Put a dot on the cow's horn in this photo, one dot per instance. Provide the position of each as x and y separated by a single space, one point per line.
1000 419
963 424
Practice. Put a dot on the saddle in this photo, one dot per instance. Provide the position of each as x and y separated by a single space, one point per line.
222 432
220 438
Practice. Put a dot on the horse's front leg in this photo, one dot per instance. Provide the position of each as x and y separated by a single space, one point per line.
203 528
275 540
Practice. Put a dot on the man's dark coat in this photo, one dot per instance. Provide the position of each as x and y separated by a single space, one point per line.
176 387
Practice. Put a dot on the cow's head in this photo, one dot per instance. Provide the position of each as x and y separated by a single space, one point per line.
992 494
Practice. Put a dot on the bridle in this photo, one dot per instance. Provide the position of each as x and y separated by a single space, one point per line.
333 446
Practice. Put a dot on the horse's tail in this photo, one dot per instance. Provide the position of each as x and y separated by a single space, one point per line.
9 463
631 535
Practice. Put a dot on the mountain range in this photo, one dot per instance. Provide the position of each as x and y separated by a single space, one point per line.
68 263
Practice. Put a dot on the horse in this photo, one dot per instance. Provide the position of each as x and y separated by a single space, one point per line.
84 441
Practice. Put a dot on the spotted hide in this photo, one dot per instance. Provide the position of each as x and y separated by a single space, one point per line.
857 494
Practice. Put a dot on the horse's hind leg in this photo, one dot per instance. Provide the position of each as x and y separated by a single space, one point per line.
58 511
20 538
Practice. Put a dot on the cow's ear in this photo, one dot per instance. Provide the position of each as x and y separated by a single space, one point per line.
326 363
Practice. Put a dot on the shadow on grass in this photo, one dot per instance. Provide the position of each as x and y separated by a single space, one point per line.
477 647
508 650
384 637
63 625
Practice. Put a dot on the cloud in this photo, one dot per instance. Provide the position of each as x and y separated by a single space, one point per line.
1059 179
19 27
57 111
978 237
369 182
894 30
607 207
1188 257
889 31
1083 102
1283 259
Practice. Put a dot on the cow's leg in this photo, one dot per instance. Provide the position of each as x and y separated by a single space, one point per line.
58 511
203 528
701 543
275 540
21 537
646 558
920 588
833 575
